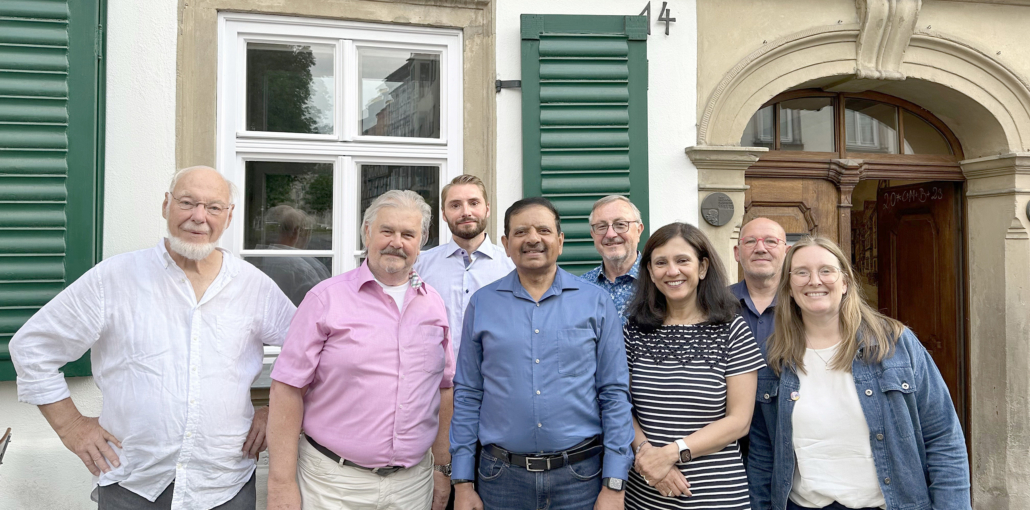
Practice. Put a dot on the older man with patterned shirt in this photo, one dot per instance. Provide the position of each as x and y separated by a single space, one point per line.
615 226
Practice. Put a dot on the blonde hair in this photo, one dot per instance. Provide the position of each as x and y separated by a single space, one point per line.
463 179
861 327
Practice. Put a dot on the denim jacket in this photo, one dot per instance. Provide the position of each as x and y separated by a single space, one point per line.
917 444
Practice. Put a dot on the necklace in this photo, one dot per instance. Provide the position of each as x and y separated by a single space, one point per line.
820 356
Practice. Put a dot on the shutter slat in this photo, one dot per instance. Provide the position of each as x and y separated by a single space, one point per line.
33 84
37 189
586 183
583 93
584 138
10 321
39 59
32 241
29 136
576 115
559 46
574 206
583 70
17 109
32 215
28 294
33 32
40 9
32 268
585 161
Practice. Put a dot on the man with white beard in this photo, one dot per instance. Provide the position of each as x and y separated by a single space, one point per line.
615 226
176 333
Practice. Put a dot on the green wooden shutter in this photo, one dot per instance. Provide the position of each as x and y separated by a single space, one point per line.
51 89
584 119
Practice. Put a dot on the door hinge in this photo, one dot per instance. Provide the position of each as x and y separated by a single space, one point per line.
98 43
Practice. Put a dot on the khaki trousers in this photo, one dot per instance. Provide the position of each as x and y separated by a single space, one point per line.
326 485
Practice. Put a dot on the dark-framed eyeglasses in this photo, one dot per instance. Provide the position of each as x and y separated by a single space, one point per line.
620 227
770 243
212 208
803 276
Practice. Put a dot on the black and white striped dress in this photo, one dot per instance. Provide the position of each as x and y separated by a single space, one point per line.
678 383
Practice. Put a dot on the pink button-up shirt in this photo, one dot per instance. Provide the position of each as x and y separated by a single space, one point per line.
373 374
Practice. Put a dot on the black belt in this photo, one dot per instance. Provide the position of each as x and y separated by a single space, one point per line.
381 471
537 463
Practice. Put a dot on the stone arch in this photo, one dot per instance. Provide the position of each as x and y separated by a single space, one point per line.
991 103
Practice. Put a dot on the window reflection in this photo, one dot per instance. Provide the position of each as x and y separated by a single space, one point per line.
424 180
290 88
870 126
760 130
921 137
807 124
295 276
400 93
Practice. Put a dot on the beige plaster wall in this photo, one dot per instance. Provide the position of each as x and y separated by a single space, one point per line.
198 61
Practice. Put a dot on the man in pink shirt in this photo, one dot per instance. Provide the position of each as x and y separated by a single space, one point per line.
367 368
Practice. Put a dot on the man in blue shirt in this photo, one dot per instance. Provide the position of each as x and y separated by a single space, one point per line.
542 382
469 261
760 251
615 226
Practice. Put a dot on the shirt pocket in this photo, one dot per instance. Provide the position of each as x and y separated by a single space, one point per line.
432 349
577 351
768 390
231 336
898 388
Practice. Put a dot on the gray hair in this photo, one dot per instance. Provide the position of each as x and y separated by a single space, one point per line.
179 174
404 199
613 198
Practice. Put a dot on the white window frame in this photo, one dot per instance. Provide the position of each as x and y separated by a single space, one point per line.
345 148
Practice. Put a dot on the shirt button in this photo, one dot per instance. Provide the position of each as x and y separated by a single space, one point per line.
193 401
765 396
402 406
178 466
868 393
539 425
538 361
537 392
887 481
402 376
879 437
759 321
194 369
538 304
536 330
904 385
189 434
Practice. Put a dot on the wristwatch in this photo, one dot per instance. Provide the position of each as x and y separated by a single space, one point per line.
615 484
685 455
459 481
443 468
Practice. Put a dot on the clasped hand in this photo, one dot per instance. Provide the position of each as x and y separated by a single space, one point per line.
657 466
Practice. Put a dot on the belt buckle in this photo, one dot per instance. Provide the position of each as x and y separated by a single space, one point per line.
546 460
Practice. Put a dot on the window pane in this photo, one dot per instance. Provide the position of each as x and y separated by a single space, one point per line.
760 130
424 180
871 126
807 124
922 138
288 206
400 93
295 275
290 88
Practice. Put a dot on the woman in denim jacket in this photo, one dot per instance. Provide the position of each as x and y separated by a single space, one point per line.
858 416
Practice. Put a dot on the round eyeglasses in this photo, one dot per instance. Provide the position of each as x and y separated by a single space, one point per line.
770 243
212 208
620 227
803 276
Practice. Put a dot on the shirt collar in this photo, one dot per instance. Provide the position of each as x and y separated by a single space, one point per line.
741 293
365 276
563 280
634 270
488 249
230 264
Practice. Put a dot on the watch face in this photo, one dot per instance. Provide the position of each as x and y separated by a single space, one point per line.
615 484
685 456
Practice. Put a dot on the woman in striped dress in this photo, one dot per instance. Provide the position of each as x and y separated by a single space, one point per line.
693 366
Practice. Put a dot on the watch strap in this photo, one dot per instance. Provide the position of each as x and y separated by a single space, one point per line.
459 481
685 455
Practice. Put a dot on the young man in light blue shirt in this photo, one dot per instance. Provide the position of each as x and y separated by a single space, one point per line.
469 261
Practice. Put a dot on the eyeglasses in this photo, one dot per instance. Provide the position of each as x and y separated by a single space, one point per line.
769 242
621 227
212 208
827 275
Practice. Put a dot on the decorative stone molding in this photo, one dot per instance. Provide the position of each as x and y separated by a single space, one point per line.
887 26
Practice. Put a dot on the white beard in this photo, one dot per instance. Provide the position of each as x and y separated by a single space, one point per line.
192 251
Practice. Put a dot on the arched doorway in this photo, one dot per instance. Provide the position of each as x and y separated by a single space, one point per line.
880 176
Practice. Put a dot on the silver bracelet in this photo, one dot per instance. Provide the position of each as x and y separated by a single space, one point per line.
639 446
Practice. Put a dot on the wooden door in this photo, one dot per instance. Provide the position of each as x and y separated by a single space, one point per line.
801 206
919 256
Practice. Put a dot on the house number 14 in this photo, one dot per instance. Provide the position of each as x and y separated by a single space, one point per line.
663 16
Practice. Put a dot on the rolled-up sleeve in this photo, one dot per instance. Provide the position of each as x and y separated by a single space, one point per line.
612 382
60 332
468 399
279 312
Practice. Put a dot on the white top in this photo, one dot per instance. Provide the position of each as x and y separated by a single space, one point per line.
397 292
175 374
444 269
831 439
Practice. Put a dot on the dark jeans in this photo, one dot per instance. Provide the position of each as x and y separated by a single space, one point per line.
116 497
502 486
833 506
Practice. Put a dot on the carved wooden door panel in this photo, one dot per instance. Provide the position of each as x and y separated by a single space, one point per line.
919 259
801 206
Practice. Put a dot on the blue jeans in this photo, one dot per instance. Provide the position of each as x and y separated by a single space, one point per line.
502 486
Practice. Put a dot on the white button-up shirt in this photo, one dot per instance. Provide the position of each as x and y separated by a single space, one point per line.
175 373
456 279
